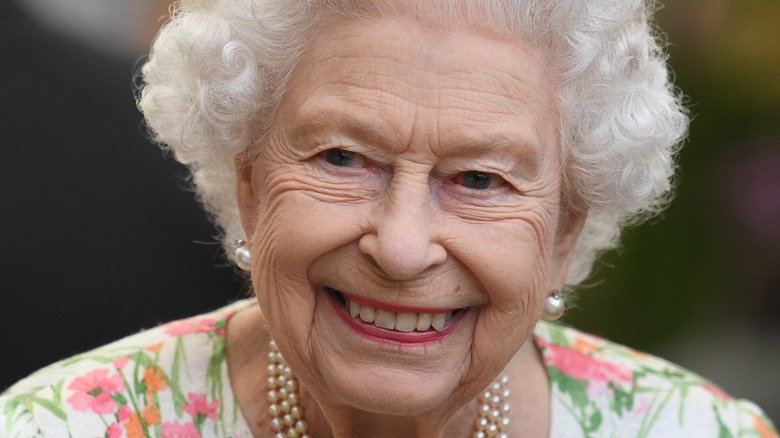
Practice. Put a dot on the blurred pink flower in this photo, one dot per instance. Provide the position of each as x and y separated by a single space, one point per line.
121 362
199 405
583 367
114 431
642 406
716 392
172 429
93 391
123 414
196 325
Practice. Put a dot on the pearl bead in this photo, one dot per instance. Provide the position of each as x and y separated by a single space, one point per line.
274 410
301 426
288 420
273 396
276 424
553 307
243 256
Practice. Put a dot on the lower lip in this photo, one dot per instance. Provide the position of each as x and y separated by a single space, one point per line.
394 337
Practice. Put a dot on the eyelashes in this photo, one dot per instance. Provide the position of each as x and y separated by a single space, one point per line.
472 179
343 158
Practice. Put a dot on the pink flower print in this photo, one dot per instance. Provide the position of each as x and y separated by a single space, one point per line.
642 406
596 389
123 414
93 391
121 362
114 431
716 392
199 406
583 367
172 429
194 325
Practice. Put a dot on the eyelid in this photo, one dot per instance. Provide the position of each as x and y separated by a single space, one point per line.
361 160
496 179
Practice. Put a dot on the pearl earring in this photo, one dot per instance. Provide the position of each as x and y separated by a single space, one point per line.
243 255
554 306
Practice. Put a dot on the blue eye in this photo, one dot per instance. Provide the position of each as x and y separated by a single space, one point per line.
479 180
342 158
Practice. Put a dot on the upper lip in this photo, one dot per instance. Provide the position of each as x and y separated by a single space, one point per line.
390 307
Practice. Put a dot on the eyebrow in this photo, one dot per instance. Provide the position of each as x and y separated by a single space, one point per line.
354 126
525 156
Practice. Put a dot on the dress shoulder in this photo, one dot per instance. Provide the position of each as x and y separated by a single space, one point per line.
603 389
168 381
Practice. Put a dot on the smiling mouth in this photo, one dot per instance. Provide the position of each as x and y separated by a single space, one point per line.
405 322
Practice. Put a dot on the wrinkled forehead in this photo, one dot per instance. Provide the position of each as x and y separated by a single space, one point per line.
393 79
501 19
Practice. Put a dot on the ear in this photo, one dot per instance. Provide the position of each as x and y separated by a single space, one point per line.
565 241
245 194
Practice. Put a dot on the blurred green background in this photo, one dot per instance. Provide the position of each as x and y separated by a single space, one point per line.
700 285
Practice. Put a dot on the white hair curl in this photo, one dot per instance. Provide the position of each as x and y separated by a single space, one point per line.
218 69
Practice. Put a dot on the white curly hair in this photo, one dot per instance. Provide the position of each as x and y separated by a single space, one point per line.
218 69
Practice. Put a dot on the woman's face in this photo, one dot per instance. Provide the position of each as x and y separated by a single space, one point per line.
416 175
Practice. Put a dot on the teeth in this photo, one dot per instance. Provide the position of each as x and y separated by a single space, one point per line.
401 321
384 319
367 314
424 321
405 322
354 308
438 321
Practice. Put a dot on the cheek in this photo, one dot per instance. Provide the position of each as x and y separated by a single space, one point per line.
293 229
510 260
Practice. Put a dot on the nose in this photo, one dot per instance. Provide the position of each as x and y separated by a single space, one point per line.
403 240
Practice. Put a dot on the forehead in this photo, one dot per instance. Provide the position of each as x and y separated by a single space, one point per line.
403 83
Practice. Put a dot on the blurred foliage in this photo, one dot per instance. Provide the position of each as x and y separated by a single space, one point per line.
714 255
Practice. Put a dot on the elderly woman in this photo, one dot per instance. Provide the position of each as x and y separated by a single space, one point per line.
410 186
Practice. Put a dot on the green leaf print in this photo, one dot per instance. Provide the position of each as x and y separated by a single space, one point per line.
572 386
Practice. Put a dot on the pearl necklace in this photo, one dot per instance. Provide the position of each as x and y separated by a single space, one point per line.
287 417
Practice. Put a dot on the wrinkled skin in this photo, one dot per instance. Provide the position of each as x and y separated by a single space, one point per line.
398 219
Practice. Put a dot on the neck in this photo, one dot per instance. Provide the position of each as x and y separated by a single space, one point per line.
346 422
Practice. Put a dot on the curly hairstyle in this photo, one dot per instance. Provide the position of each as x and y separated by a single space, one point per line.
218 69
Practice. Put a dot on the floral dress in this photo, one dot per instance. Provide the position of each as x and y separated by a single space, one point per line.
172 382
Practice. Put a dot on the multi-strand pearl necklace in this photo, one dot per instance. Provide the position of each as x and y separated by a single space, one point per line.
287 417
